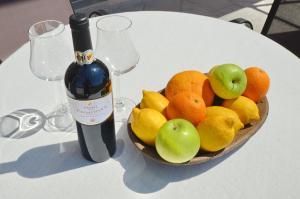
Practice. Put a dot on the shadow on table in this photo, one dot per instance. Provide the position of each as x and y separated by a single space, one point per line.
23 123
144 175
141 175
47 160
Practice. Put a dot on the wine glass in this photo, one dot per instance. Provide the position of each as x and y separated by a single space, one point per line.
50 55
115 48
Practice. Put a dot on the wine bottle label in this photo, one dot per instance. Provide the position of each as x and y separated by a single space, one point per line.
86 57
91 112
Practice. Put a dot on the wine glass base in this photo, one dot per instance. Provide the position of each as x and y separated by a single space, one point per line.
60 120
122 109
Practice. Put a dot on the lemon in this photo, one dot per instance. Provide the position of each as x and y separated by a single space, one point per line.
216 132
246 108
154 100
145 124
213 111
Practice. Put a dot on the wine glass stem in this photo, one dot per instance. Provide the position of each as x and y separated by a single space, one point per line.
60 100
118 101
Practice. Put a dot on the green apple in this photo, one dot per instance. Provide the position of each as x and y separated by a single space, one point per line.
177 141
228 81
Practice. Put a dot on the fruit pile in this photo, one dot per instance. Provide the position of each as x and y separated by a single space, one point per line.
186 117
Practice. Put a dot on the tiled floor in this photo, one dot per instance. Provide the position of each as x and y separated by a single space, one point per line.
254 10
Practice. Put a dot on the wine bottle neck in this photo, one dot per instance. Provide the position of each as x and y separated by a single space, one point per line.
81 39
83 46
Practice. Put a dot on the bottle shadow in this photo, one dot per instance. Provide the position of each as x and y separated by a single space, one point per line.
144 175
50 159
47 160
141 175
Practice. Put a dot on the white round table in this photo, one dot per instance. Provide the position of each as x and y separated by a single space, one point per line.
49 165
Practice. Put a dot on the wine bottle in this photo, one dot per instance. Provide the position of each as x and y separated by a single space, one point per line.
89 91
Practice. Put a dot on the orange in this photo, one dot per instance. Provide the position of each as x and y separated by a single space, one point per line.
258 83
187 105
192 81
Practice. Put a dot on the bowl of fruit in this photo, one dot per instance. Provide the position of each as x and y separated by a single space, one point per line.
198 117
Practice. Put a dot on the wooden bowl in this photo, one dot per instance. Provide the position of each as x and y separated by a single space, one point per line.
241 137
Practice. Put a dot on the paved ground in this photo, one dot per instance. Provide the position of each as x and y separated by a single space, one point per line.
254 10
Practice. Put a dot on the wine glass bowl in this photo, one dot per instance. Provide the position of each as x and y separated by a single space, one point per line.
114 45
49 58
115 48
43 62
